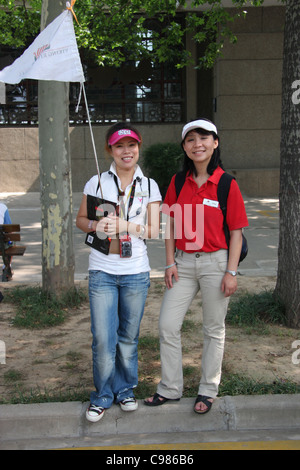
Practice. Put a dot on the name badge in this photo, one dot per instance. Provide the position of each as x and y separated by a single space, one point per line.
142 194
211 203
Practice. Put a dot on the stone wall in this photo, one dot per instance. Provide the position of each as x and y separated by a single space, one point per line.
248 99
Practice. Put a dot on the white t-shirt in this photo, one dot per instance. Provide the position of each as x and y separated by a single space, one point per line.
113 263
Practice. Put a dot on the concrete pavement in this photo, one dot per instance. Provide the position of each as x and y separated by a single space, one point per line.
262 236
235 422
271 421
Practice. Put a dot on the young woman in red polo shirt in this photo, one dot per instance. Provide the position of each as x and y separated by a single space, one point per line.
197 258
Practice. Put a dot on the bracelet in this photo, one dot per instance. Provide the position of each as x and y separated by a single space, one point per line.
90 225
170 265
142 231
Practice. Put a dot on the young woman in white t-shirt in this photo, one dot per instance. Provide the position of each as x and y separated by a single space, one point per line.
119 280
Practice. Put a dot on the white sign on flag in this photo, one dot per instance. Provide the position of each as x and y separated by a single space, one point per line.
52 56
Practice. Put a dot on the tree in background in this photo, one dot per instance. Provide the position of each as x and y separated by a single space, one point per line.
288 279
114 31
58 263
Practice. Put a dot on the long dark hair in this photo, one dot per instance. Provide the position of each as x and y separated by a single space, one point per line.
215 161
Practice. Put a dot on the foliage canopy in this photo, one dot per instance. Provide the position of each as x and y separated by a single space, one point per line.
115 31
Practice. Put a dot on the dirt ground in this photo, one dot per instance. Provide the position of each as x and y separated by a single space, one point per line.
59 358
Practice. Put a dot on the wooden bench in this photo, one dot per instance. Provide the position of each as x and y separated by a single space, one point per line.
9 233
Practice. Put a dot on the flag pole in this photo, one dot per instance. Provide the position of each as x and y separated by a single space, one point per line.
70 8
92 137
82 87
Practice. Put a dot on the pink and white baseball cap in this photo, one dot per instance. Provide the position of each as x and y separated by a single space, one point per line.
118 135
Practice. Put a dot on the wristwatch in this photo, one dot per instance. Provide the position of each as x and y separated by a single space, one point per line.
233 273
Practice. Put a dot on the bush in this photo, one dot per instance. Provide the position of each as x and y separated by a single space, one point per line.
161 162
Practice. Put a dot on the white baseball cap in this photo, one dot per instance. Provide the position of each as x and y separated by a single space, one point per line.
200 124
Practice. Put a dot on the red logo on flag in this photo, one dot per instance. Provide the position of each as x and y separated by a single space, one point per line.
40 51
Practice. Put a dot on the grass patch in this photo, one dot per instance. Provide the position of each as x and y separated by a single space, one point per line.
13 376
149 343
19 396
39 309
149 366
235 384
187 325
231 385
256 310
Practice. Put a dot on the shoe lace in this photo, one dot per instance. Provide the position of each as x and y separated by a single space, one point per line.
128 400
96 408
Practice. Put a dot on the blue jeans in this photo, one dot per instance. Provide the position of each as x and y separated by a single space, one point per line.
117 306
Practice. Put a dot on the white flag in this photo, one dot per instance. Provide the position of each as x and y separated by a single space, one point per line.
52 56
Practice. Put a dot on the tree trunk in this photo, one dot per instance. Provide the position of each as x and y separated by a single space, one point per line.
288 281
55 176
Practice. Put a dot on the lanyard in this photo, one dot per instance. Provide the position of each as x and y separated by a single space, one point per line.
123 204
130 196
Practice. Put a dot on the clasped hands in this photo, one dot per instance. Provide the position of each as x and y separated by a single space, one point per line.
112 225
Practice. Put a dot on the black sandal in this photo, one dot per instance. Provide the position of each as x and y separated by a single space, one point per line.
159 400
205 400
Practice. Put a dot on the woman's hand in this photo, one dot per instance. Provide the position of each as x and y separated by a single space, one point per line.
169 273
112 225
229 284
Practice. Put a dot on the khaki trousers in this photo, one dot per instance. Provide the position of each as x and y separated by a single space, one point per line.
196 271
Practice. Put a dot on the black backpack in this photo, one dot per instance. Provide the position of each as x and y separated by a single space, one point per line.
222 192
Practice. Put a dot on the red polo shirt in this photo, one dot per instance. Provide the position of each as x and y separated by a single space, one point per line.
197 213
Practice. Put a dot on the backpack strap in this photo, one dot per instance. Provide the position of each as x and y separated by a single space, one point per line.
222 192
179 182
223 187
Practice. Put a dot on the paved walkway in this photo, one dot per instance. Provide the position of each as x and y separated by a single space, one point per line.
24 209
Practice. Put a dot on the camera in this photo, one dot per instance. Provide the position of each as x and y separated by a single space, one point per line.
125 247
